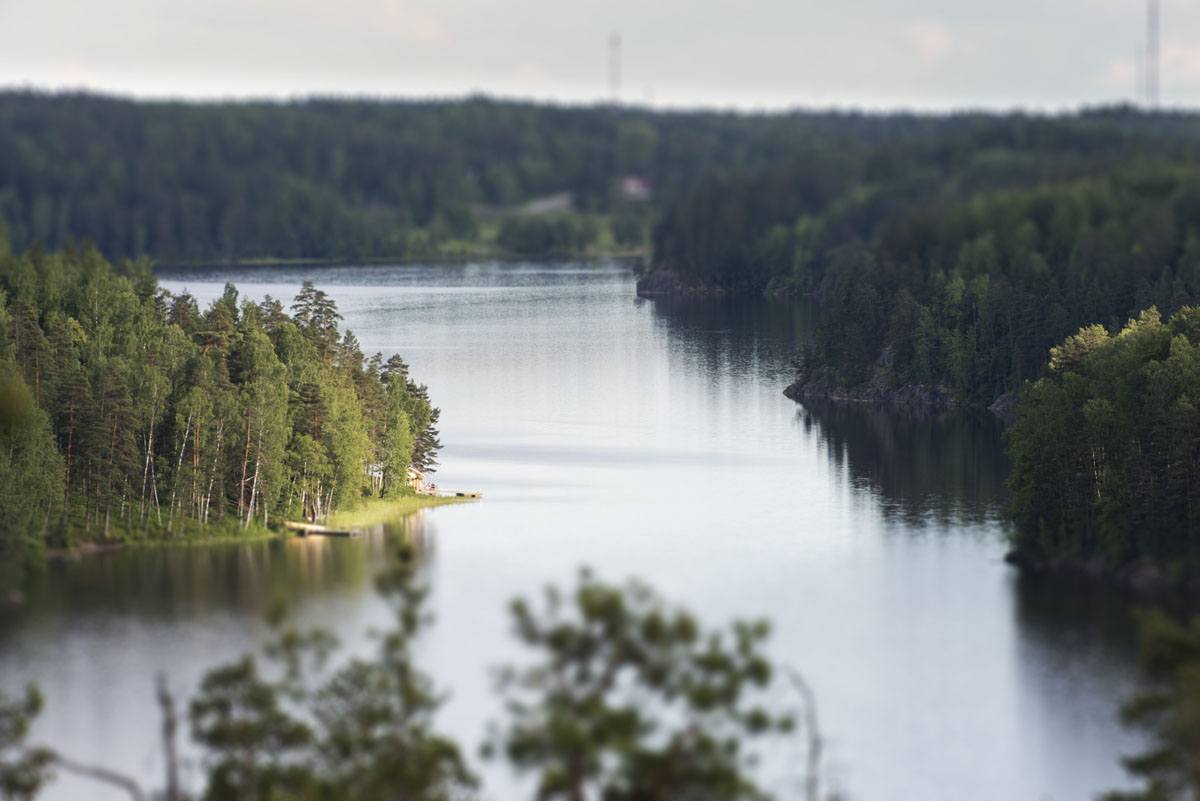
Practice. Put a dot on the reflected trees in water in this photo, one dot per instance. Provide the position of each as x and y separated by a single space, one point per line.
923 467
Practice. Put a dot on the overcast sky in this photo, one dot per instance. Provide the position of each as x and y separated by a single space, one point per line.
1040 54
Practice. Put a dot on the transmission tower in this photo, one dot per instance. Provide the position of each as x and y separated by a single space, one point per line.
1152 53
614 68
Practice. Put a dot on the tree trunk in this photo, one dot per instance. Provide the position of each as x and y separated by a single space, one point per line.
170 725
245 465
212 476
194 499
254 483
149 451
175 479
112 452
70 454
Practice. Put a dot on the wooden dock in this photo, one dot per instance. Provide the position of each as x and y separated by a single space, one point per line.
315 530
441 493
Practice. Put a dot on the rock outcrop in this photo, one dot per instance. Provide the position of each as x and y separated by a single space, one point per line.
1142 578
1005 407
821 384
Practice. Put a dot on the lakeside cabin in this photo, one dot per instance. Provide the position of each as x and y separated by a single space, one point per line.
416 481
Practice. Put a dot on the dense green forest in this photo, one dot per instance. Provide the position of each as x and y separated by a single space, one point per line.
125 410
1106 447
347 179
957 256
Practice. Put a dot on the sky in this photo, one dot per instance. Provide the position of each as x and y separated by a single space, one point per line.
752 54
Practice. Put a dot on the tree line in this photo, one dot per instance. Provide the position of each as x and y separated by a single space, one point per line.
340 179
956 258
346 179
128 411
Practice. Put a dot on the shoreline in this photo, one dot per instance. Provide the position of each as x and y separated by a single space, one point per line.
1144 579
820 383
660 284
377 512
372 513
931 398
450 259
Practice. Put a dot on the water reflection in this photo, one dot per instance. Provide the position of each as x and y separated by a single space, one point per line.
1061 613
1073 661
921 467
740 338
1076 663
170 583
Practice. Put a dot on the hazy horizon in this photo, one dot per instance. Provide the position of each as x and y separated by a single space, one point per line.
681 108
923 56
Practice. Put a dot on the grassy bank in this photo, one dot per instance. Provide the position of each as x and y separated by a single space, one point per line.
370 513
377 512
84 540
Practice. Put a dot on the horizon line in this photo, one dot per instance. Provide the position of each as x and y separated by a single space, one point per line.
848 108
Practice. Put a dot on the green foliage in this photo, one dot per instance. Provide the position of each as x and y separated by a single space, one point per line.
341 179
126 412
255 748
364 732
31 470
396 453
1106 446
627 699
1168 711
630 699
23 770
629 226
349 179
378 714
535 235
955 252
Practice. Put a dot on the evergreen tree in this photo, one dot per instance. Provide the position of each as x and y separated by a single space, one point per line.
138 414
31 473
1168 711
1106 447
629 699
23 770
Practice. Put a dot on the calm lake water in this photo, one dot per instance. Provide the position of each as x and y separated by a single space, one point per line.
645 441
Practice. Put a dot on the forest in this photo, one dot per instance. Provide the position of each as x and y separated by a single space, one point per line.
945 251
955 261
126 411
1106 448
345 179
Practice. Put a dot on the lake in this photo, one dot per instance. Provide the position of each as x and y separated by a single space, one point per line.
641 440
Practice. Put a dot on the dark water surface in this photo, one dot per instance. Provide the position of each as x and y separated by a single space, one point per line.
650 441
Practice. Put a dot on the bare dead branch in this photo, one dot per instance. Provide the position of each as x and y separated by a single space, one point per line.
812 730
101 775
